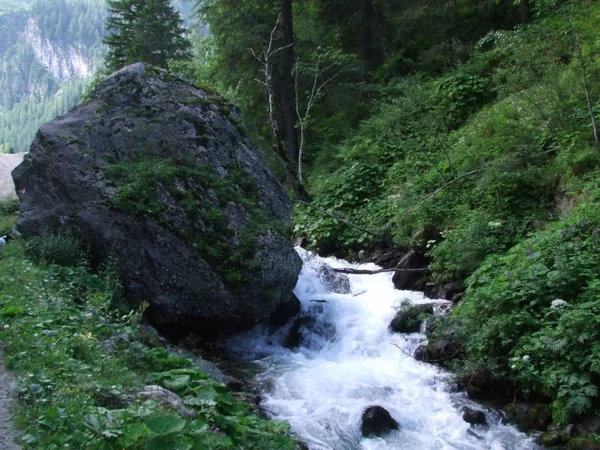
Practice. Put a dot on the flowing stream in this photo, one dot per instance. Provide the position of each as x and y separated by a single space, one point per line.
346 362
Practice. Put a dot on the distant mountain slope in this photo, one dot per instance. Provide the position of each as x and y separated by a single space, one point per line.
49 50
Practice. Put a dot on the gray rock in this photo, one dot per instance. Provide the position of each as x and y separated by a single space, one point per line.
192 232
567 433
209 369
449 291
310 329
439 351
526 417
409 280
591 424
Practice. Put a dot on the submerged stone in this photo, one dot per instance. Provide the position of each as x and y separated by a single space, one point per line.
473 416
156 177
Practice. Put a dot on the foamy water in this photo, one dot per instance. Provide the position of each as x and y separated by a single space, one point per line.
347 362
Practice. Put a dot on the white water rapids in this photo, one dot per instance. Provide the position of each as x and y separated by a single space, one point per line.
348 363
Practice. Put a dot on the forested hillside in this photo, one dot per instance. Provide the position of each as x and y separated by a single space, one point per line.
50 51
463 130
48 54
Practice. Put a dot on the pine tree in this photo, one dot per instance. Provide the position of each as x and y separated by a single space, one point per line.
120 24
149 31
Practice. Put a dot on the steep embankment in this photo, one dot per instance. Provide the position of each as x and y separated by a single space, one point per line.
489 171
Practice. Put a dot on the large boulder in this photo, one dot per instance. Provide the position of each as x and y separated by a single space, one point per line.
157 176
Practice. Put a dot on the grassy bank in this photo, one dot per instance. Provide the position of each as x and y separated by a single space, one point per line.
81 361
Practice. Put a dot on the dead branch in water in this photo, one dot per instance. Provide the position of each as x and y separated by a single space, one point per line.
373 272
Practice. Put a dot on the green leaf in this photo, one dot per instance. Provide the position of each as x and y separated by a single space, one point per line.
29 439
92 421
158 443
11 311
176 383
198 426
135 430
164 425
206 393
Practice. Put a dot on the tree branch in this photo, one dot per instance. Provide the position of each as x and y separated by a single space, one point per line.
438 190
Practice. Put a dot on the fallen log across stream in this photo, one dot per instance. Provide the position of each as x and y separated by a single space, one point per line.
373 272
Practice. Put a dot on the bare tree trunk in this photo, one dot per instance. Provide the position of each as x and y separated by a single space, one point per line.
586 83
265 59
304 116
523 10
366 51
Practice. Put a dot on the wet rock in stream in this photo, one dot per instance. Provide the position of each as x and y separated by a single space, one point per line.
377 421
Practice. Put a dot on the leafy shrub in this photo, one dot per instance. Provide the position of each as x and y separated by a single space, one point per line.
465 247
8 207
80 365
62 249
537 304
461 93
8 215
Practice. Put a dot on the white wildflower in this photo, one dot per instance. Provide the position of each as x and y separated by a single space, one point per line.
558 303
6 326
526 358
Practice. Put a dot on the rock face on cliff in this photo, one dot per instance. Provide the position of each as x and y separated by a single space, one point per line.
157 174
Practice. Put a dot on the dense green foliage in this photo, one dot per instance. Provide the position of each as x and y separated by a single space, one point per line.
379 40
81 361
532 314
149 31
469 162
